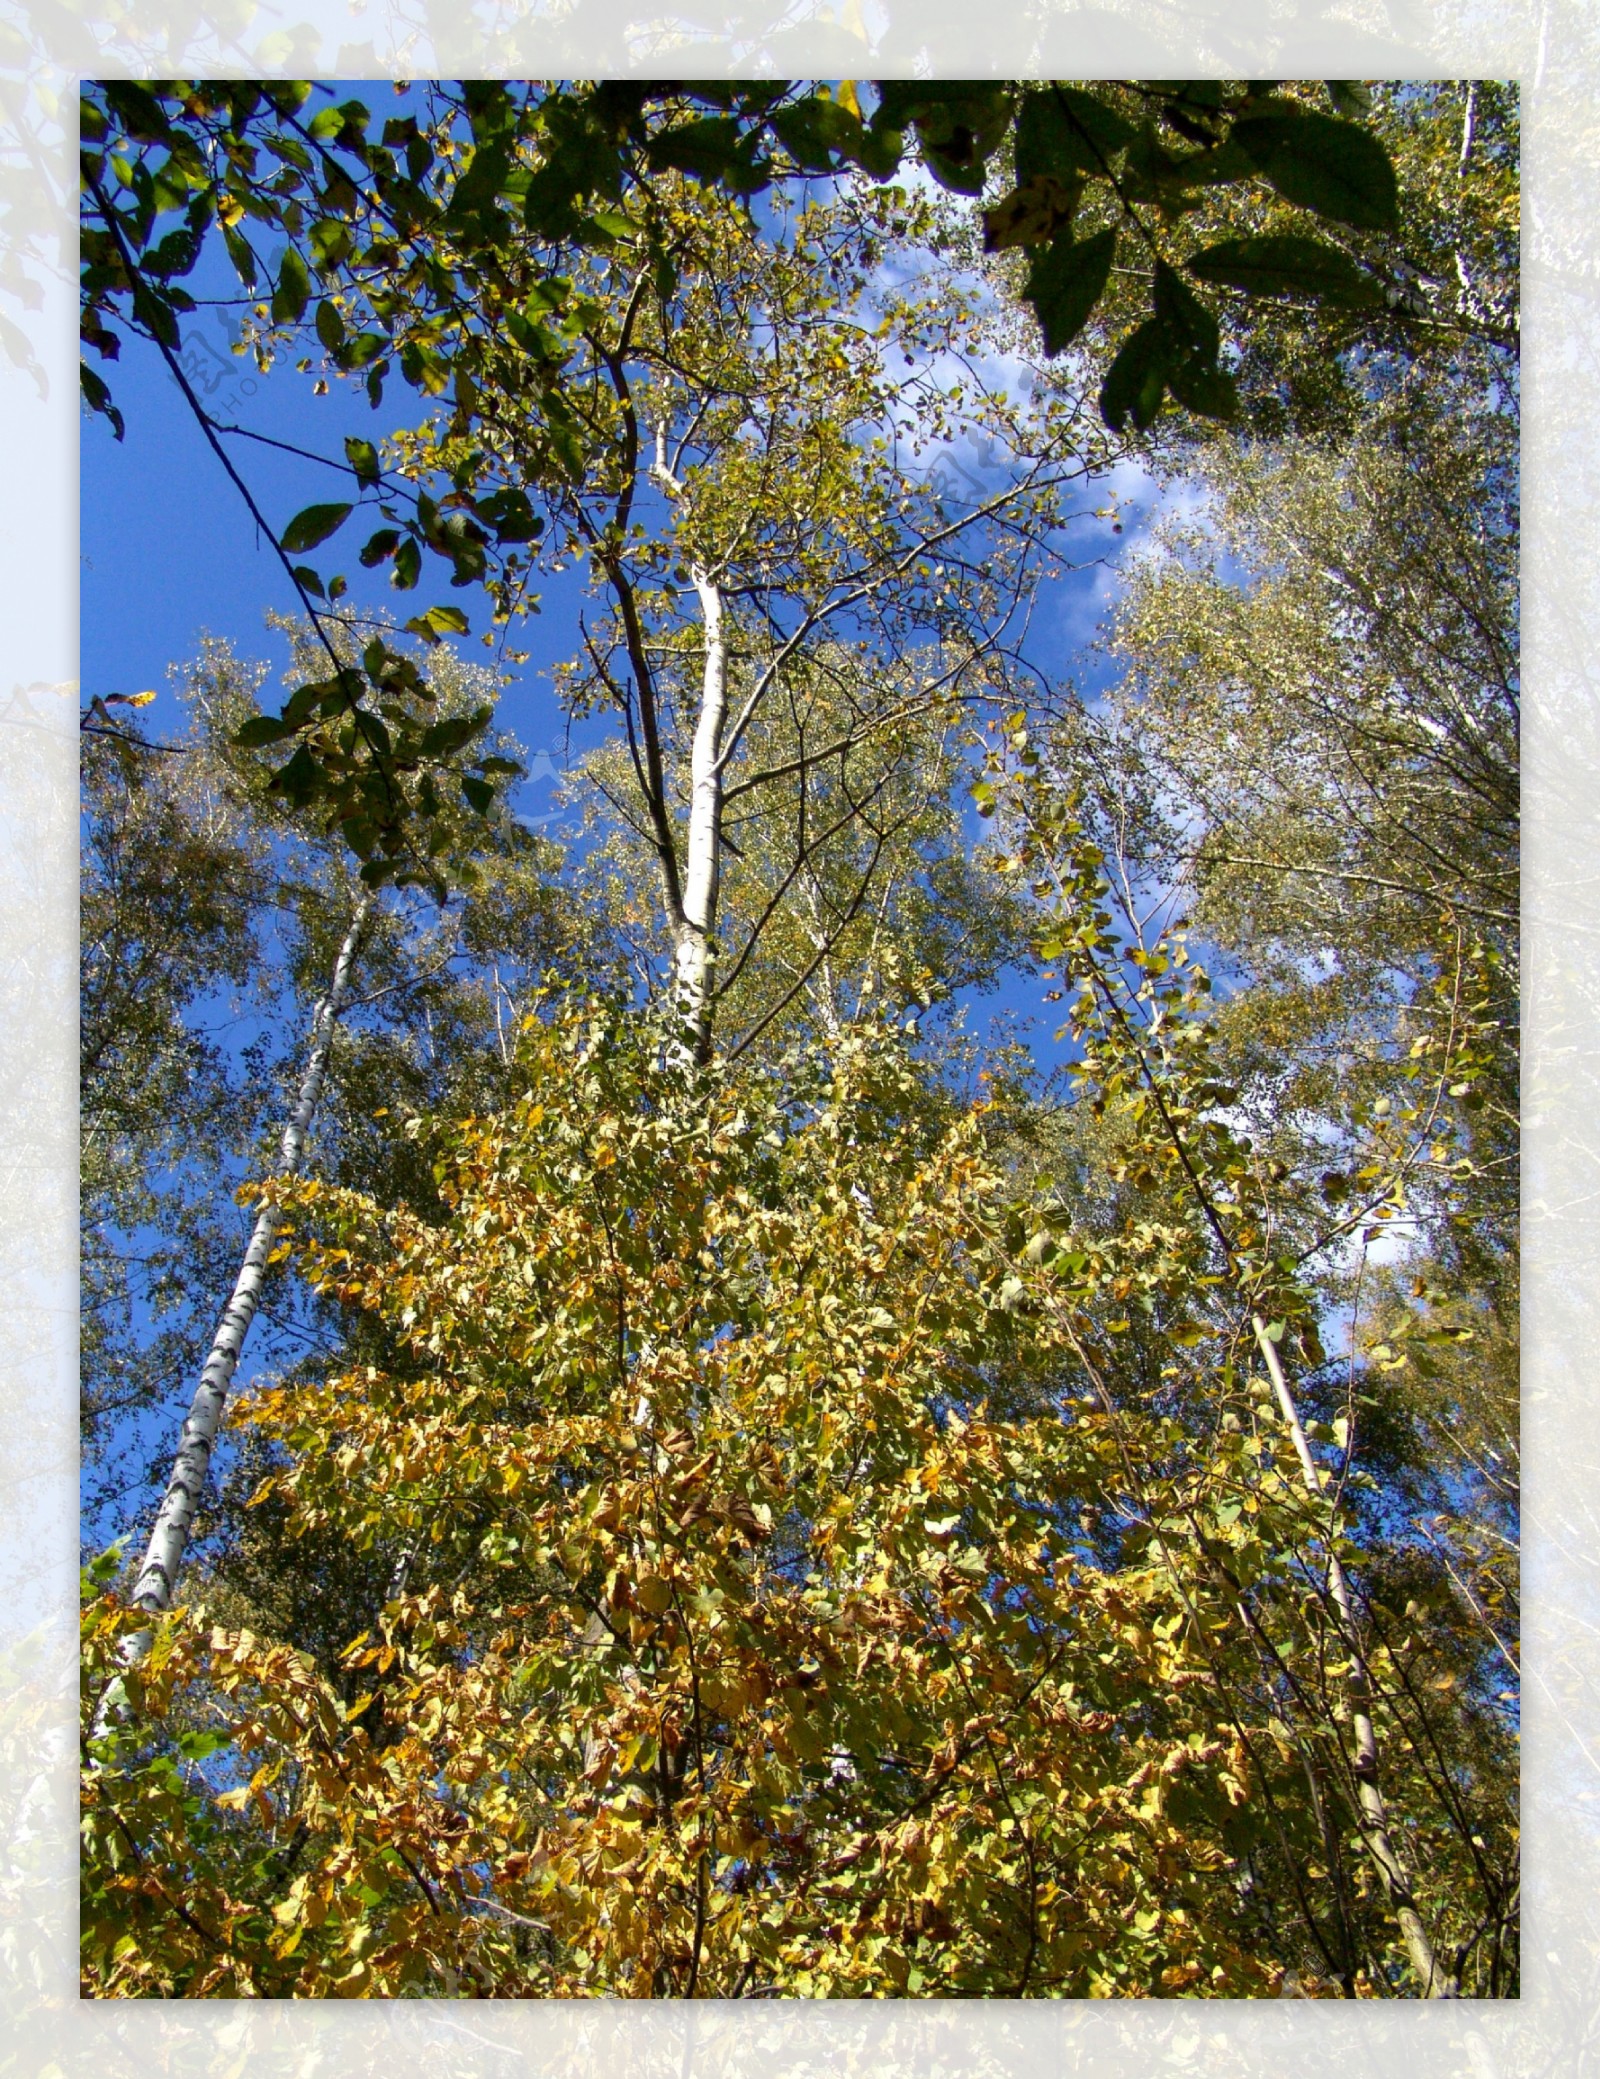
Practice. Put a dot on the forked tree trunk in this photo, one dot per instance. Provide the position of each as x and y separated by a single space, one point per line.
158 1577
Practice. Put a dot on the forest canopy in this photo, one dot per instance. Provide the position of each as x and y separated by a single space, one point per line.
880 1359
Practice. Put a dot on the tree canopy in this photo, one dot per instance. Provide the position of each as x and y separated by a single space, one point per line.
711 1470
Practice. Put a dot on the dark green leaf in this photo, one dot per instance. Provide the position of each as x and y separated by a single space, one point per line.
1078 127
98 397
1349 96
706 147
1287 265
424 368
1203 388
363 459
510 515
330 326
1322 163
1214 167
294 287
244 261
479 794
155 312
407 566
1190 326
299 781
138 110
330 241
1136 379
816 131
438 621
312 525
1065 282
444 737
262 729
380 546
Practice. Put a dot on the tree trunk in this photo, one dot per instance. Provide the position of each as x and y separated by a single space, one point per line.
1436 1984
693 949
158 1576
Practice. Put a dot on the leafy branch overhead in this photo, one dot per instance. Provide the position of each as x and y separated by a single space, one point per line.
431 245
555 163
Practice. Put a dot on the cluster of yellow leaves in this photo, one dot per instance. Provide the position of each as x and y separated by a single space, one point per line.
753 1643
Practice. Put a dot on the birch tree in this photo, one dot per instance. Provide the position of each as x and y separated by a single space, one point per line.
746 478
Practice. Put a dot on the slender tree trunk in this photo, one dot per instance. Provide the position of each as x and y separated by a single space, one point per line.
158 1577
1436 1983
693 949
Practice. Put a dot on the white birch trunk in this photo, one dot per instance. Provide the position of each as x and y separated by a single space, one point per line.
692 949
1436 1983
158 1577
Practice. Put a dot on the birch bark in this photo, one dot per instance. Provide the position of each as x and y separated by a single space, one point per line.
158 1576
693 954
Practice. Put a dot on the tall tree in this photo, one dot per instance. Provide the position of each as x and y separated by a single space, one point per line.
786 605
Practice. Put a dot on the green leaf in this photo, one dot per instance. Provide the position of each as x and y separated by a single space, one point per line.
478 793
1079 127
294 288
1349 96
330 241
309 579
298 781
1065 282
1136 379
262 729
330 326
312 525
424 368
959 123
1288 265
438 621
1190 326
244 260
363 459
98 397
706 147
1336 168
380 547
407 566
444 737
510 515
365 347
816 131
